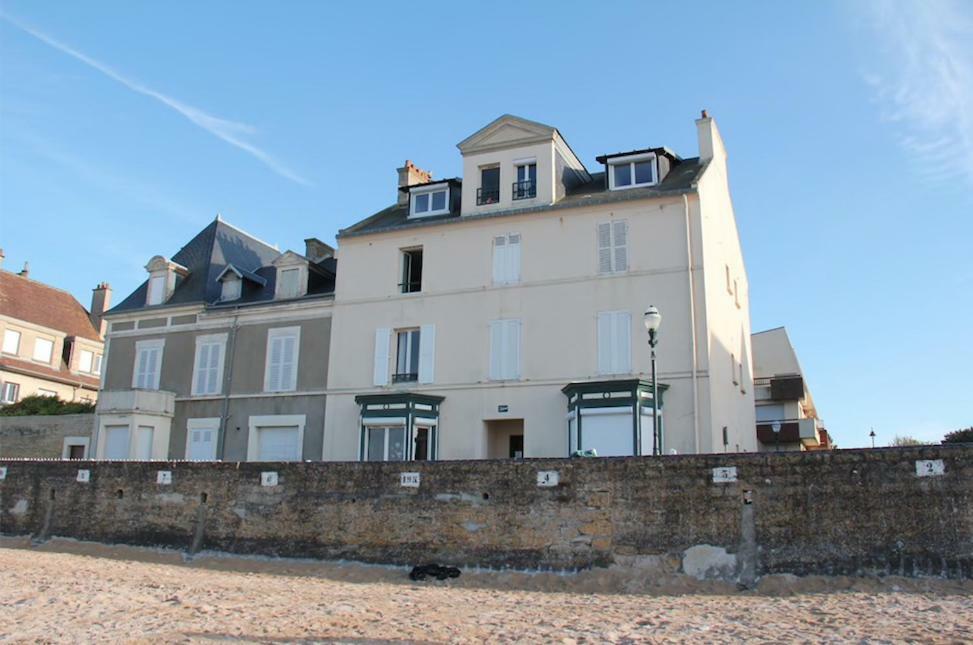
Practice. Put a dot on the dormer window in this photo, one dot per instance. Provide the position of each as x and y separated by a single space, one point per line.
526 185
231 282
162 279
157 290
429 200
633 171
292 271
489 190
232 287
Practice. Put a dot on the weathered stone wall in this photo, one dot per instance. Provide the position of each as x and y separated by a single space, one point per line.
854 511
41 436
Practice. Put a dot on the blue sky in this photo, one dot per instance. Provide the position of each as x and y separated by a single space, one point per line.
125 127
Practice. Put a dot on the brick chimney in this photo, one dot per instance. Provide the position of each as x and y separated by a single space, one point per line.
100 303
316 251
410 175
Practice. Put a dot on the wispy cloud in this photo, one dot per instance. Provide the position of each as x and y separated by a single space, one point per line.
232 132
925 86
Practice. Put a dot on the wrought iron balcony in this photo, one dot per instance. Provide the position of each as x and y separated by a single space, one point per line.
525 189
487 196
405 378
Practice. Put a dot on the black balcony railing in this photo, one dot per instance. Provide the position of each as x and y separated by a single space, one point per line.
405 378
487 196
525 189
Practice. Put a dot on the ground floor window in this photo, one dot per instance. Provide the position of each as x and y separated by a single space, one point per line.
276 438
75 448
385 443
9 393
116 442
201 438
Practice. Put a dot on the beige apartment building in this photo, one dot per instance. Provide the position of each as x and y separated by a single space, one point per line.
787 418
52 346
499 314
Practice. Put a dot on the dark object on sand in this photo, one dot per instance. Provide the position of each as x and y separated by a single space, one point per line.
434 571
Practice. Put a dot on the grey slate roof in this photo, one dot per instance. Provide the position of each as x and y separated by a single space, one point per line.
208 254
681 179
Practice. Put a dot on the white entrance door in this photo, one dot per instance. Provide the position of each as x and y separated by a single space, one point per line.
201 444
608 430
278 443
116 442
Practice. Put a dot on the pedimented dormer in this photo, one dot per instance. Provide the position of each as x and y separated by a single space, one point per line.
163 274
292 271
517 163
232 279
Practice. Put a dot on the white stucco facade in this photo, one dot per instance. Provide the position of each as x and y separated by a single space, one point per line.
681 248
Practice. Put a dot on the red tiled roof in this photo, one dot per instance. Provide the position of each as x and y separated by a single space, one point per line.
62 375
37 303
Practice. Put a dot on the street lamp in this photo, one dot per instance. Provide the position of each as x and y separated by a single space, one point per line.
775 426
872 435
652 319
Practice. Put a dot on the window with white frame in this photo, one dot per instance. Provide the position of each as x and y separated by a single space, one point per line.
426 201
288 283
116 442
385 443
505 349
156 290
11 341
412 358
201 437
506 259
10 392
280 373
148 364
43 349
613 246
232 287
86 361
276 437
614 342
96 368
526 185
632 171
208 365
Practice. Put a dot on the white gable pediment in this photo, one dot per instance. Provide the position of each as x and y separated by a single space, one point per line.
289 259
506 131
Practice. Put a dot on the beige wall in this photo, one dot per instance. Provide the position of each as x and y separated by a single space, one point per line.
30 386
544 155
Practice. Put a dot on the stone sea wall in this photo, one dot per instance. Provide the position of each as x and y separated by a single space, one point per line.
905 511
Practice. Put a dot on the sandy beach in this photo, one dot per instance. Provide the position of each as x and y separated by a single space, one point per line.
68 591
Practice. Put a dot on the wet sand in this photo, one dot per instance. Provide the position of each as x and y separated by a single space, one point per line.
67 591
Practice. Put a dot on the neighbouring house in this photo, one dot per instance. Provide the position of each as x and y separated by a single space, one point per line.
499 314
221 353
786 416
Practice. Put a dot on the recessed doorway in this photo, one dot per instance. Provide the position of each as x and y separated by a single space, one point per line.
505 439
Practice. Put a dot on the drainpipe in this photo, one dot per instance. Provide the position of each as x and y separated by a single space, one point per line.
227 383
692 319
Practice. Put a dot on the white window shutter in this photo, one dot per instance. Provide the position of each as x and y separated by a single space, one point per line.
605 342
499 259
496 350
382 343
288 363
273 368
620 235
427 353
623 342
215 350
513 259
154 368
202 364
513 341
604 248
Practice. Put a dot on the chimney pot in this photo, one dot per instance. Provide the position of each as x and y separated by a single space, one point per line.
410 175
705 114
316 251
100 303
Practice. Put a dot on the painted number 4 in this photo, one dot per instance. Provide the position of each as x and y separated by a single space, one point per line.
547 478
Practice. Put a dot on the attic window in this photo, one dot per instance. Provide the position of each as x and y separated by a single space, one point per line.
289 283
632 171
232 287
429 201
157 290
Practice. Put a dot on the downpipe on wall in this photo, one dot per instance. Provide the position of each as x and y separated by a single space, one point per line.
227 383
692 321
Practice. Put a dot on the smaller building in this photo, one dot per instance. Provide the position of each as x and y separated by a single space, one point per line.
52 345
787 418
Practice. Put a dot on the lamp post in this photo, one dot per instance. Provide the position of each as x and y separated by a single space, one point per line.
652 319
775 426
872 435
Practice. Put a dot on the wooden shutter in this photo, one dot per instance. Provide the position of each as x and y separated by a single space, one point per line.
202 369
273 364
215 350
288 363
620 243
499 259
513 258
604 248
512 341
153 368
623 342
381 367
427 353
496 350
605 342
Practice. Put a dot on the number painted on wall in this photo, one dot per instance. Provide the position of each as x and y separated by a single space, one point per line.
930 468
84 476
163 477
724 475
410 480
547 478
268 478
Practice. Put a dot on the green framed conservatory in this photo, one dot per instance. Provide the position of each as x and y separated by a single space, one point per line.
613 418
399 427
